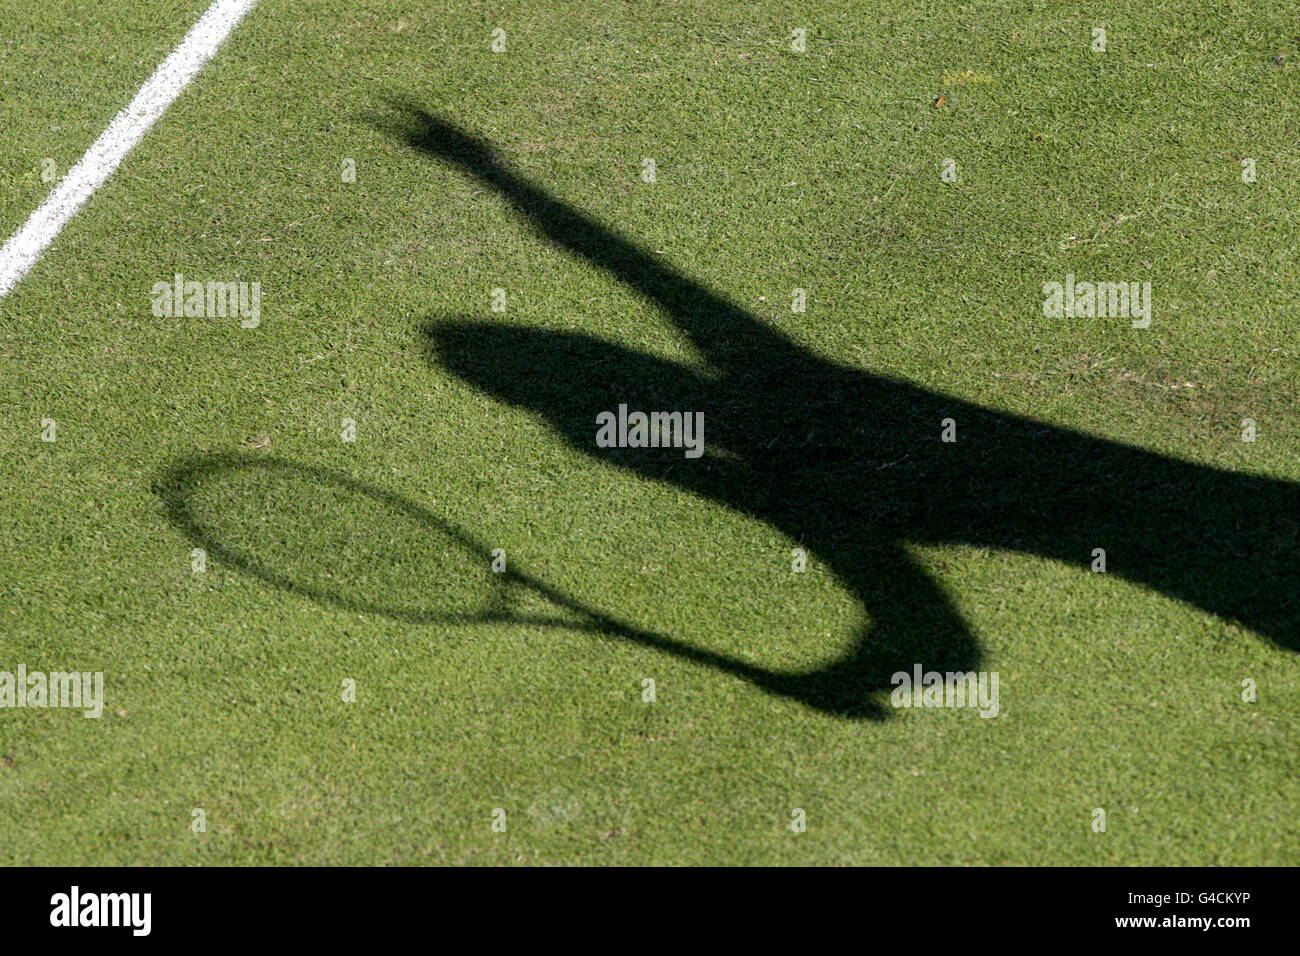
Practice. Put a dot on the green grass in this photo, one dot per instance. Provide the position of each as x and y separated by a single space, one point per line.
774 171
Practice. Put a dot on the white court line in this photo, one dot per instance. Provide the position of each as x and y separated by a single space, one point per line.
27 245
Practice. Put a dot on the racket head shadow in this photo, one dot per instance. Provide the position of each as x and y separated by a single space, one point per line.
338 540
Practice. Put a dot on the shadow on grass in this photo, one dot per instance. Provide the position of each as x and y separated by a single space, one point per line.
846 462
287 551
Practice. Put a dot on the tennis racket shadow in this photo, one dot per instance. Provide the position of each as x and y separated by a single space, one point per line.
267 517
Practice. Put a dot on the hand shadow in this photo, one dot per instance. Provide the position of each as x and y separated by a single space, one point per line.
850 463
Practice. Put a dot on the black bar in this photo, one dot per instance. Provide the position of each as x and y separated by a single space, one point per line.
330 907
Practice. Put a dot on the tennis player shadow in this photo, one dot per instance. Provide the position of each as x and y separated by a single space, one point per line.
851 465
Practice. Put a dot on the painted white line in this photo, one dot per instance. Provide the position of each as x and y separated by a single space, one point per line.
27 245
